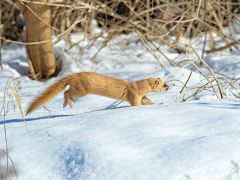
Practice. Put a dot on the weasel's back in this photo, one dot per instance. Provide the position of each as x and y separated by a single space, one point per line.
102 85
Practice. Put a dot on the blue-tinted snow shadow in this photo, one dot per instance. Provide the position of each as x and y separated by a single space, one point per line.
56 116
226 106
112 105
33 119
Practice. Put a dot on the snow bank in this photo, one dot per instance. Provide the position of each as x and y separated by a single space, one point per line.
196 140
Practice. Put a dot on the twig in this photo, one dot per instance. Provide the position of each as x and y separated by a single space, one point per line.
95 55
226 10
144 43
205 65
20 107
117 104
205 77
190 63
223 48
11 161
40 42
187 80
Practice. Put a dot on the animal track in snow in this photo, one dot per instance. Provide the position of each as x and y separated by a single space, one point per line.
184 177
75 160
235 170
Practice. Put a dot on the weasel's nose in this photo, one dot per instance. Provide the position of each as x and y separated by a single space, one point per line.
168 88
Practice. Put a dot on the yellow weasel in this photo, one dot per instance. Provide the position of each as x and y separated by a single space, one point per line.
85 83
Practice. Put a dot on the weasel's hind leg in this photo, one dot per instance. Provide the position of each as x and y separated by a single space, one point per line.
74 94
65 99
71 101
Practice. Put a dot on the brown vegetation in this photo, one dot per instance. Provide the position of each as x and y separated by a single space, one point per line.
155 23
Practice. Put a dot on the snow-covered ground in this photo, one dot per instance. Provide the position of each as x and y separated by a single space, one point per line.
194 140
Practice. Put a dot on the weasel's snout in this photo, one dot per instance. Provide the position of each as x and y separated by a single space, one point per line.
167 87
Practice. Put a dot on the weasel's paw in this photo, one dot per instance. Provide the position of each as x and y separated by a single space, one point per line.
160 103
64 105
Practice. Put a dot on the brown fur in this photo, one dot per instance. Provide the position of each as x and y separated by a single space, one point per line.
85 83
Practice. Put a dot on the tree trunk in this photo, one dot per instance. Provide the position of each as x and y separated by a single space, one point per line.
0 35
41 55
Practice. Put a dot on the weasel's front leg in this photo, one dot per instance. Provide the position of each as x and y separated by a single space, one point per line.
135 101
146 101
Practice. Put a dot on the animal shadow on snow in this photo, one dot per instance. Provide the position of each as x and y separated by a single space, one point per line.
32 119
56 116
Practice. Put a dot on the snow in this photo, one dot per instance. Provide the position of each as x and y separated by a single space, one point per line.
194 140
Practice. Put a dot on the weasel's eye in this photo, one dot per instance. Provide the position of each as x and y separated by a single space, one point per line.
165 85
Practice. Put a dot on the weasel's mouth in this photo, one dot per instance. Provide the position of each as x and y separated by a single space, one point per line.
168 88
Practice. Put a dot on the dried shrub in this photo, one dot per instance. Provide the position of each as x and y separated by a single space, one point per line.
153 22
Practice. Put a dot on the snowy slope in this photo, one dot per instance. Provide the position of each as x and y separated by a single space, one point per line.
147 142
194 140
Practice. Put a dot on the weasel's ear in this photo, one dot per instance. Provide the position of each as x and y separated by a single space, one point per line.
156 83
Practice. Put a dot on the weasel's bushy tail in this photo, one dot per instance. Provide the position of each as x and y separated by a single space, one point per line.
47 95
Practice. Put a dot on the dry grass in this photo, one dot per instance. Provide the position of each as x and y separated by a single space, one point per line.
19 106
153 22
8 101
5 171
161 22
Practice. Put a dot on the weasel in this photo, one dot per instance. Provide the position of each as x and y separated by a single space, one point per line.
84 83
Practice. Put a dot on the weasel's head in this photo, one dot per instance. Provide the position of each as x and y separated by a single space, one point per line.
159 85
